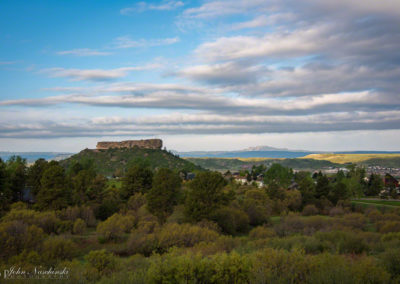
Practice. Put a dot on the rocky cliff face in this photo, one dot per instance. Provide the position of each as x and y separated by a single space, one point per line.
144 144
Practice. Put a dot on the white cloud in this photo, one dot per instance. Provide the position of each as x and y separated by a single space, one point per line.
128 42
282 44
83 52
143 6
7 62
95 74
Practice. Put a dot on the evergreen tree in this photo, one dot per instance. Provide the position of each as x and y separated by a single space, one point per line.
163 195
137 179
205 195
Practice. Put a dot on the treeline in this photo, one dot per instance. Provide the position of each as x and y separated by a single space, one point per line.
153 227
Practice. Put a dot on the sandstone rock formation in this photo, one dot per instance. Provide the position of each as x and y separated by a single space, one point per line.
144 144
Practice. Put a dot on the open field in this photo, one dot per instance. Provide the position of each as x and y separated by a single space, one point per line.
349 158
378 203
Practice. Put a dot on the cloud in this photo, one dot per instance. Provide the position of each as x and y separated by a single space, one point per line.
199 123
7 62
213 9
83 52
263 20
275 45
221 104
222 74
128 42
95 74
143 6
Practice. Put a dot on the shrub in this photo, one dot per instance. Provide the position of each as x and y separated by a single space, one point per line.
56 249
115 226
290 225
16 236
354 220
136 201
336 211
257 206
262 233
308 244
343 242
45 220
391 237
231 220
191 268
309 210
279 266
391 261
79 227
388 226
102 261
184 235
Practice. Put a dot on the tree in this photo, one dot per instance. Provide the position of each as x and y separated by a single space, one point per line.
54 193
35 173
323 187
5 192
81 183
16 167
375 185
338 192
137 179
163 196
279 175
205 195
306 187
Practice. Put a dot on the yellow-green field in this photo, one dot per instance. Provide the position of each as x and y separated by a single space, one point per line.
348 158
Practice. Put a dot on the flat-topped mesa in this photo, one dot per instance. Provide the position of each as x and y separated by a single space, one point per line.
143 144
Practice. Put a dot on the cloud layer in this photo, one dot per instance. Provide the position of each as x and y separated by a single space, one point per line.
270 67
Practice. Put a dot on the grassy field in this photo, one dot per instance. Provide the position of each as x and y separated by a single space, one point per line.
348 158
379 203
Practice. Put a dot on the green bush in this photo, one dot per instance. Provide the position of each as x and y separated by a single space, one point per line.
309 210
16 236
262 233
56 249
45 220
343 242
388 226
79 227
102 261
231 220
115 226
190 268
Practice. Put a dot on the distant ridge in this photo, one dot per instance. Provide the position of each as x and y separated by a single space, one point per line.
33 156
268 152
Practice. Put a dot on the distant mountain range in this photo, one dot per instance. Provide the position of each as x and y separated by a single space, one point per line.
267 152
251 152
33 156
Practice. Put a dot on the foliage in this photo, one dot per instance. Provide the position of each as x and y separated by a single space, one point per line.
163 195
115 226
137 179
205 196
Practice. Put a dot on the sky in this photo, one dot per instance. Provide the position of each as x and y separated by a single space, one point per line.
201 75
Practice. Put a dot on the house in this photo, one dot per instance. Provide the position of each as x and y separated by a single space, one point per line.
241 180
390 181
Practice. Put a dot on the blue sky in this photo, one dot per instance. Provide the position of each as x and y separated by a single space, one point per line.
201 75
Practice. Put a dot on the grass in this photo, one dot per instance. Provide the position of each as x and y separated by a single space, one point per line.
348 158
387 203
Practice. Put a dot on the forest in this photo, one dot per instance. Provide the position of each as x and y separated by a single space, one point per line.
153 226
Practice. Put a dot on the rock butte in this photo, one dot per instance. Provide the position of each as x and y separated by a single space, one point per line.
144 144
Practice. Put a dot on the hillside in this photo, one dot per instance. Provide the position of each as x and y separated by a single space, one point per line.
351 158
223 164
391 162
108 161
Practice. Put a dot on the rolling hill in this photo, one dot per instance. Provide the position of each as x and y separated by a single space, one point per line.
223 164
106 162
